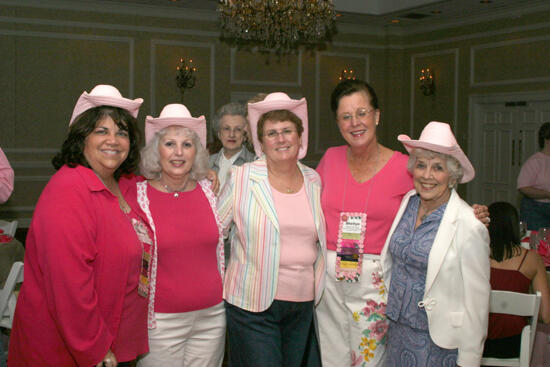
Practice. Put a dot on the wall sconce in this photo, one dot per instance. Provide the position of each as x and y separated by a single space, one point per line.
427 82
185 76
346 74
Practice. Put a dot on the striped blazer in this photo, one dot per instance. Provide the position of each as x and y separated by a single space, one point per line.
246 202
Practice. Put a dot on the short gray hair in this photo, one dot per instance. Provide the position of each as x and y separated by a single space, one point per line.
150 159
453 166
232 108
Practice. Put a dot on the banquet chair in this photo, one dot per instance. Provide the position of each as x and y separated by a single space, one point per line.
9 228
520 304
8 297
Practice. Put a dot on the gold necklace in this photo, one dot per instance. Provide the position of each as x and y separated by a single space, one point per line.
176 192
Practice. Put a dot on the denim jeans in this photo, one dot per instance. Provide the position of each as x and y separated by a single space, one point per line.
535 213
282 335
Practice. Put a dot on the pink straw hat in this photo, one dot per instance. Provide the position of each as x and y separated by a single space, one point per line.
438 137
175 114
105 95
278 101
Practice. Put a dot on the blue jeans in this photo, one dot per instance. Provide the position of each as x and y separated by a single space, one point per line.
535 213
282 335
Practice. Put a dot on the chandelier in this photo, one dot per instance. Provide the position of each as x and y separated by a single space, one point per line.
281 26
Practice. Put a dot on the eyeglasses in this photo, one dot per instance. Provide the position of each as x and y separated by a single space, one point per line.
226 130
274 134
360 115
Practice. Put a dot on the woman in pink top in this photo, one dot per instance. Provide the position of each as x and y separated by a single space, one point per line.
80 303
276 269
534 184
186 313
363 185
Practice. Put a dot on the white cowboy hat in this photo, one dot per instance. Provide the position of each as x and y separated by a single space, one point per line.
175 115
278 101
438 137
105 95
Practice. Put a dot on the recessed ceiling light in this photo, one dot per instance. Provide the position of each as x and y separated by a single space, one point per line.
395 21
436 11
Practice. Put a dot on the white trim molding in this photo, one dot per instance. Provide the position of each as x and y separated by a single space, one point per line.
208 45
452 51
486 46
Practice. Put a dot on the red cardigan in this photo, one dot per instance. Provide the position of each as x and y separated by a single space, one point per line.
76 271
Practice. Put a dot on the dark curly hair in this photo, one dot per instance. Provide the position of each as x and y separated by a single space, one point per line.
544 134
72 150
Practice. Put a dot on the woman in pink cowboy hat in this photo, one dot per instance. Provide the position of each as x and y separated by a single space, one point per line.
276 269
186 315
80 304
436 261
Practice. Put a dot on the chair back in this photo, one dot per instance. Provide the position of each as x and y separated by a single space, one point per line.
520 304
9 228
7 296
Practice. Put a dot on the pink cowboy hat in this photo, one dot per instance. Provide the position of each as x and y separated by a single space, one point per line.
438 137
175 114
272 102
105 95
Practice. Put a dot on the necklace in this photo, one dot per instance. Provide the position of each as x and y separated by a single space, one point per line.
277 181
176 192
122 204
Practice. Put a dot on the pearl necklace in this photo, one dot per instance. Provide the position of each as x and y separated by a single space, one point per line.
176 192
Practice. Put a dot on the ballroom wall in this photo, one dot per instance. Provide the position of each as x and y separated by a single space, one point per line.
53 50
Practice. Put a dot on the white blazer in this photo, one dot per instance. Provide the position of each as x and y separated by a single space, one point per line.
457 290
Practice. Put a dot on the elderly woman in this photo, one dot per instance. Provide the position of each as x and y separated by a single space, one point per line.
230 125
436 261
534 184
80 304
275 274
363 185
186 313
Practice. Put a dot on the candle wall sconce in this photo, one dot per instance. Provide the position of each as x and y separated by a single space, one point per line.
185 76
346 74
427 82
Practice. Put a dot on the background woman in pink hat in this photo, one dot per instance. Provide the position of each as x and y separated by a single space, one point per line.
276 269
436 261
186 315
79 304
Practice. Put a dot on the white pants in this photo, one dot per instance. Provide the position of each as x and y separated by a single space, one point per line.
352 317
190 339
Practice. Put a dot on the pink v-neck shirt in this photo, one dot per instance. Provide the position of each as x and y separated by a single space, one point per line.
379 197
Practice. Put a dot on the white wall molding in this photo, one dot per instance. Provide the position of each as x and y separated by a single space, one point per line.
87 37
119 8
318 55
160 42
452 51
234 80
490 45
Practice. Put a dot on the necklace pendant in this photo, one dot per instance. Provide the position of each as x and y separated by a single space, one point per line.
176 194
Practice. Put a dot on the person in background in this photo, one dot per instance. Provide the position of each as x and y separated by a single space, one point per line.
276 271
515 269
230 125
186 314
6 188
363 185
436 261
534 184
79 304
6 178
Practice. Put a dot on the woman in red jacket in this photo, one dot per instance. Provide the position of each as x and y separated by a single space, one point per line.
79 304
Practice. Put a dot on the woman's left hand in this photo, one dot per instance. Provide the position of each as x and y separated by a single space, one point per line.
482 213
212 176
108 361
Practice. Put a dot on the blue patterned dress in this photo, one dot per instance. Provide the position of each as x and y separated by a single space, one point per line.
409 342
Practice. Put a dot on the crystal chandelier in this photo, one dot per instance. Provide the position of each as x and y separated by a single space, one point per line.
281 26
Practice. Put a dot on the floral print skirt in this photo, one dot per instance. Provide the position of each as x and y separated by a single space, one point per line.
351 317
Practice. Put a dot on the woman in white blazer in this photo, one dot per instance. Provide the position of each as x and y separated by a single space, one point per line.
436 261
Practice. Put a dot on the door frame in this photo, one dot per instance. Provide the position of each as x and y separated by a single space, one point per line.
474 129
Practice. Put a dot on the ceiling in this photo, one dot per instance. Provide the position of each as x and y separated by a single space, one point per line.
383 12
